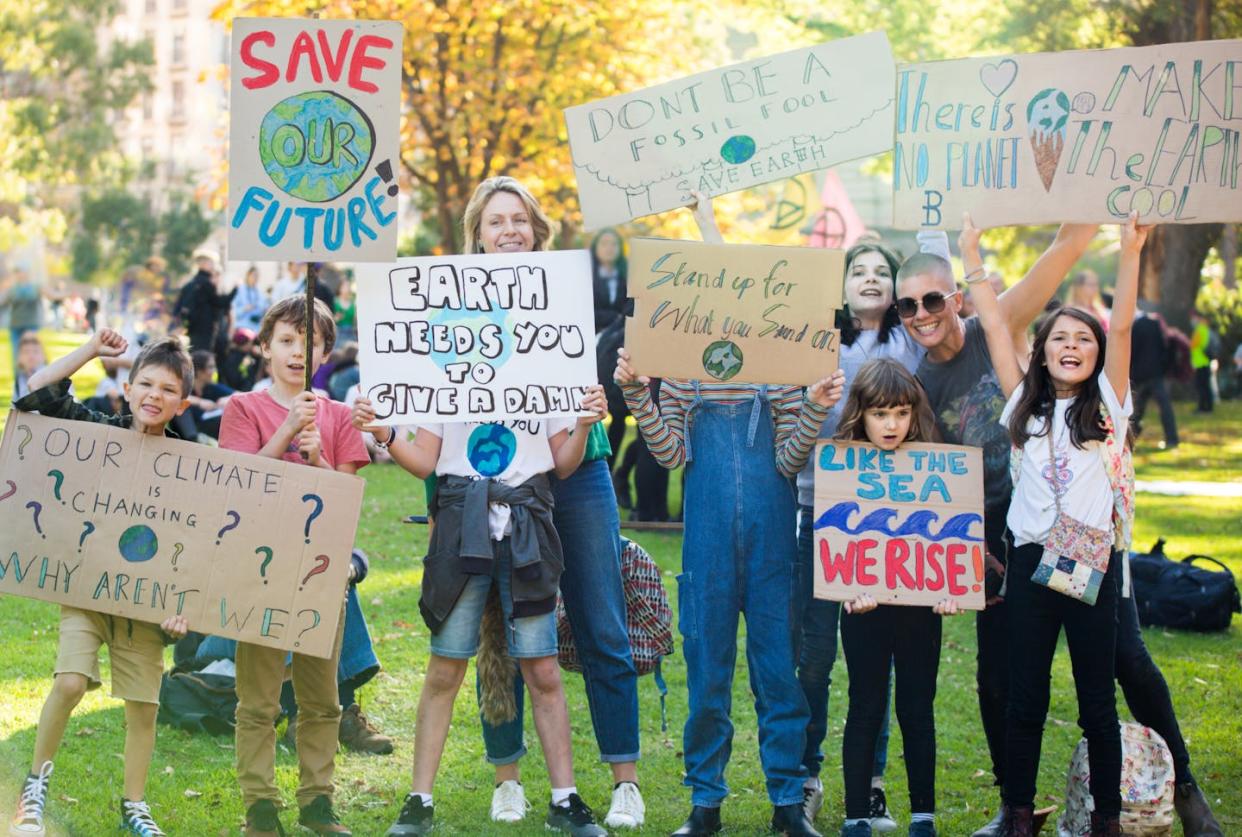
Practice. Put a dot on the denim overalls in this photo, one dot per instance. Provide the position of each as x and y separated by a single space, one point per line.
739 556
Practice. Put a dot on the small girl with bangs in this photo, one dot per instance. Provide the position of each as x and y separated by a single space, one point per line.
887 407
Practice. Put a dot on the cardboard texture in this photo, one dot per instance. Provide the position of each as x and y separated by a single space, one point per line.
731 128
903 526
477 338
733 312
314 132
106 519
1071 136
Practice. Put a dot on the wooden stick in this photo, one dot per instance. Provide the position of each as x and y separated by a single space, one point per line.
312 277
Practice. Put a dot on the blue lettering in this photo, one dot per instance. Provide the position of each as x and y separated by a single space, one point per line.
875 489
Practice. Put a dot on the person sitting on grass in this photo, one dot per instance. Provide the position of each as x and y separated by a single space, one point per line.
156 391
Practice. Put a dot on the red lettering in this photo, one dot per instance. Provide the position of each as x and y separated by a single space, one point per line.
337 63
841 565
895 554
932 556
863 561
303 45
361 61
954 567
919 566
268 72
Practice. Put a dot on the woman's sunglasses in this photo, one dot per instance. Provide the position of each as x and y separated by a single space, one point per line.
933 303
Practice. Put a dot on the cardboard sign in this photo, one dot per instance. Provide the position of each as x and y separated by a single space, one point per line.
110 520
732 128
313 139
903 526
1071 136
477 338
733 312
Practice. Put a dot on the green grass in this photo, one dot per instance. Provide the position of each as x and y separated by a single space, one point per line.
1204 671
1210 448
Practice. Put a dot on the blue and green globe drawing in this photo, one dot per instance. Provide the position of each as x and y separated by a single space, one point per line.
491 449
722 360
316 145
502 318
138 544
737 149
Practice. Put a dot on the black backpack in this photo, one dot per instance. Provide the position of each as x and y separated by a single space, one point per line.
1177 594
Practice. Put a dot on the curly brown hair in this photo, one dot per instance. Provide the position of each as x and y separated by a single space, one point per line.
884 382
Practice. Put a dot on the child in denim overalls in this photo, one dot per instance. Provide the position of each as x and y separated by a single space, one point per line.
742 446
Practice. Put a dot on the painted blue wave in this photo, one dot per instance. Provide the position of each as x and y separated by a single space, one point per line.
918 524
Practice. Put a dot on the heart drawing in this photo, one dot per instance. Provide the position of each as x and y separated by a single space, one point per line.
998 77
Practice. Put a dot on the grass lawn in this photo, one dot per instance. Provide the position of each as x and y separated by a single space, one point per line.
193 791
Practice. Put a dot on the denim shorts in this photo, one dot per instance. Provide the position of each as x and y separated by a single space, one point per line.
528 637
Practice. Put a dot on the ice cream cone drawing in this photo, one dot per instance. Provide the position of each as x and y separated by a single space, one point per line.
1046 118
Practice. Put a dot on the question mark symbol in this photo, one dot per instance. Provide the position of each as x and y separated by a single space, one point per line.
177 549
38 507
266 561
21 447
59 478
228 527
321 564
87 528
318 510
311 626
12 490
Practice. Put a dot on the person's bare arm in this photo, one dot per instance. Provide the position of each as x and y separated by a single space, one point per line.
569 448
705 217
1125 299
999 339
419 456
1022 303
103 343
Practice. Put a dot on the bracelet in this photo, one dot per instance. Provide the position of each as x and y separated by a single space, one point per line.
979 272
392 437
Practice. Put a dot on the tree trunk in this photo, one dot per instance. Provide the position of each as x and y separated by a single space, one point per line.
1172 263
1228 248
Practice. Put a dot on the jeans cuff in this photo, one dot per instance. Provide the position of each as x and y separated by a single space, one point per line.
511 759
625 758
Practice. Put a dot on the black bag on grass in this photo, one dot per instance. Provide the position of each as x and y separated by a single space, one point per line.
1178 594
197 702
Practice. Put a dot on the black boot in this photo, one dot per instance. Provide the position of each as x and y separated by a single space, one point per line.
702 821
1102 826
1194 812
791 821
1019 821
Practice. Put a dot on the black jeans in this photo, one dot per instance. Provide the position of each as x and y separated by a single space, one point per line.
992 667
1204 386
908 638
1144 390
1036 616
1147 693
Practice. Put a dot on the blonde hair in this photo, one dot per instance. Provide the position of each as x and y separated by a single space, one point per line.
473 219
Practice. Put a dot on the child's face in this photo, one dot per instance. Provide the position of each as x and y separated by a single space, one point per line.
1070 352
154 397
869 284
30 357
287 355
887 427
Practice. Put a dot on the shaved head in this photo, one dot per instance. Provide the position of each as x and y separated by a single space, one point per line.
927 264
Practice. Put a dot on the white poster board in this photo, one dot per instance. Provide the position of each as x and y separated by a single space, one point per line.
477 338
731 128
314 109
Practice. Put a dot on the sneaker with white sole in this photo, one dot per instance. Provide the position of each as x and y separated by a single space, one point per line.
882 821
812 798
509 802
136 819
28 819
574 818
627 809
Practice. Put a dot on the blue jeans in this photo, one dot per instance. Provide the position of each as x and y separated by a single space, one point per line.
739 557
586 519
817 652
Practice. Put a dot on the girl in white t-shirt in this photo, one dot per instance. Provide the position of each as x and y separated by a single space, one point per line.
1070 517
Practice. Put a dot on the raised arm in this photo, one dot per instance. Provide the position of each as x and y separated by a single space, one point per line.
103 343
1022 303
991 316
1125 298
705 217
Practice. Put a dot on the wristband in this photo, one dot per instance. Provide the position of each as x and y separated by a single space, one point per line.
975 276
392 437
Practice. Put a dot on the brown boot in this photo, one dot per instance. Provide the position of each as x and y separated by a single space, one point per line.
262 820
1194 812
1019 821
359 735
321 819
1102 826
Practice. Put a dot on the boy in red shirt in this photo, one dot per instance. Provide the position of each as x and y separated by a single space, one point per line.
286 422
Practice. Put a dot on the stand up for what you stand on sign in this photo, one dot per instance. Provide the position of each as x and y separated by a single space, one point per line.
313 139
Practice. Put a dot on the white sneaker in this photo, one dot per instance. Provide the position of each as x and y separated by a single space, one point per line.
627 809
28 819
882 821
509 802
812 798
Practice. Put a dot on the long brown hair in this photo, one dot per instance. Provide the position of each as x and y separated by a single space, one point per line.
1039 397
884 382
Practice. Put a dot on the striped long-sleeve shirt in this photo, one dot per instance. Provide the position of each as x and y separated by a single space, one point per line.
796 422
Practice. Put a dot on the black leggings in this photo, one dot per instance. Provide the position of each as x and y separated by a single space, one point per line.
909 639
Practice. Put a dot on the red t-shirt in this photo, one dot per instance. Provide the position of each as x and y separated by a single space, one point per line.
252 418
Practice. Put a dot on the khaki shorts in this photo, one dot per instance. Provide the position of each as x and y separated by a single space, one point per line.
136 650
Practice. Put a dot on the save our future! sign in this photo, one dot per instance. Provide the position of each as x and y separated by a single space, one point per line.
903 526
731 128
484 337
1081 136
313 139
733 312
110 520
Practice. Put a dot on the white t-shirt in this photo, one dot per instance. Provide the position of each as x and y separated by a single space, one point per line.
1079 474
510 452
